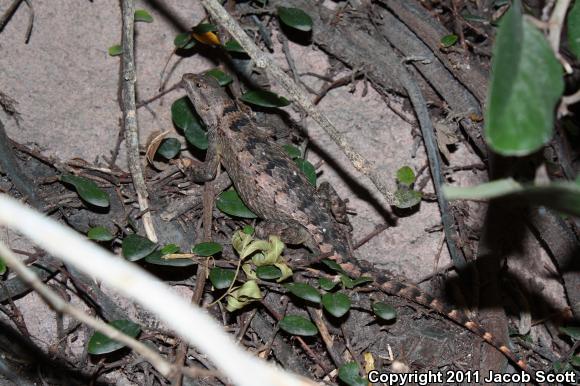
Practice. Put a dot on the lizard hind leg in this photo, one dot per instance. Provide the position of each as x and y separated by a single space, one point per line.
290 233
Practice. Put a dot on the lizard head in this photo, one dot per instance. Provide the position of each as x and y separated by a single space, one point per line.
207 96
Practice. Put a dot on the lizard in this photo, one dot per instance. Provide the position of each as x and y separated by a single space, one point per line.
271 185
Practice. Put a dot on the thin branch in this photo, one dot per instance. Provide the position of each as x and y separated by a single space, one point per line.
130 116
8 14
555 26
155 296
265 61
60 306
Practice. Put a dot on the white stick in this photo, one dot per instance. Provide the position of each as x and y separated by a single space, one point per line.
192 324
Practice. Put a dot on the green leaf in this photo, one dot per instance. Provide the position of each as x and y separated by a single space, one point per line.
207 249
298 325
526 84
333 265
449 40
87 190
304 291
135 247
268 272
143 15
230 203
100 344
184 117
221 278
222 78
406 176
349 374
362 280
156 257
407 198
574 29
295 18
248 229
572 332
326 284
575 361
563 196
384 311
308 169
204 28
184 41
292 151
241 296
169 148
2 266
115 50
264 99
337 304
232 45
100 234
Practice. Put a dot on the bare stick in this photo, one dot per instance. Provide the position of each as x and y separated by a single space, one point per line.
8 14
130 116
265 61
60 306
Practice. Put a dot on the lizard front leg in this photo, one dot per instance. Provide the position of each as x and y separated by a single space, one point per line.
203 171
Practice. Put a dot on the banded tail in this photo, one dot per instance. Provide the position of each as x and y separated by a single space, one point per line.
416 295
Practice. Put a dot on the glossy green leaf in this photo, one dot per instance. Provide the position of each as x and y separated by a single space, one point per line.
298 325
115 50
222 78
526 84
406 176
100 234
573 24
87 190
308 169
333 265
207 249
304 291
100 344
268 272
349 283
292 151
248 229
563 196
221 278
449 40
184 117
295 18
135 247
156 257
204 28
169 148
232 45
337 304
143 15
349 374
384 311
230 203
2 266
326 284
572 332
184 41
407 198
264 99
